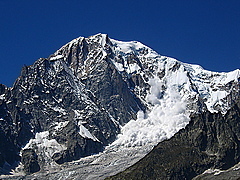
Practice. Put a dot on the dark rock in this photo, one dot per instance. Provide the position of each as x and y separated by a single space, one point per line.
30 161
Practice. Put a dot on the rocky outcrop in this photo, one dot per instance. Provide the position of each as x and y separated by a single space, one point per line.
14 130
210 140
232 173
30 161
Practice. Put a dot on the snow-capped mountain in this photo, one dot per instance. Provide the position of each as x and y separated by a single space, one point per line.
96 92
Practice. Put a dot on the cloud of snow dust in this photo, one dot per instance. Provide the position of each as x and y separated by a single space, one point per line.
167 116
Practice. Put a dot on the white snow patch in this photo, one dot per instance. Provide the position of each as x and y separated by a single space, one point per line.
104 54
86 134
2 97
213 171
103 39
133 68
60 110
44 145
77 114
119 66
129 47
56 57
35 96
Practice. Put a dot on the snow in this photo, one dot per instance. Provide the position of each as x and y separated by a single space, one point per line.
56 57
169 99
83 131
86 134
104 54
60 110
35 96
2 97
215 98
167 116
103 39
133 68
215 172
119 66
128 47
44 145
212 86
228 77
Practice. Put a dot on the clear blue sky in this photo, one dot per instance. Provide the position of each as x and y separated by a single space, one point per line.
204 32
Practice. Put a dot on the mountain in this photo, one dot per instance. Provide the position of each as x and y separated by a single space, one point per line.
98 92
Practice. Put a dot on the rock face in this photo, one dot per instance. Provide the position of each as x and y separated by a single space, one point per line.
81 113
79 99
30 161
210 140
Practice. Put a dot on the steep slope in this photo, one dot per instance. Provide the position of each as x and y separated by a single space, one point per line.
97 91
210 140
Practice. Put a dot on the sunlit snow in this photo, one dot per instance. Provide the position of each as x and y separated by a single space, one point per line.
45 145
56 57
86 134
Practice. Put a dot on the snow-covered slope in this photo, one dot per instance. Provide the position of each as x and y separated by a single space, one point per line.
174 90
